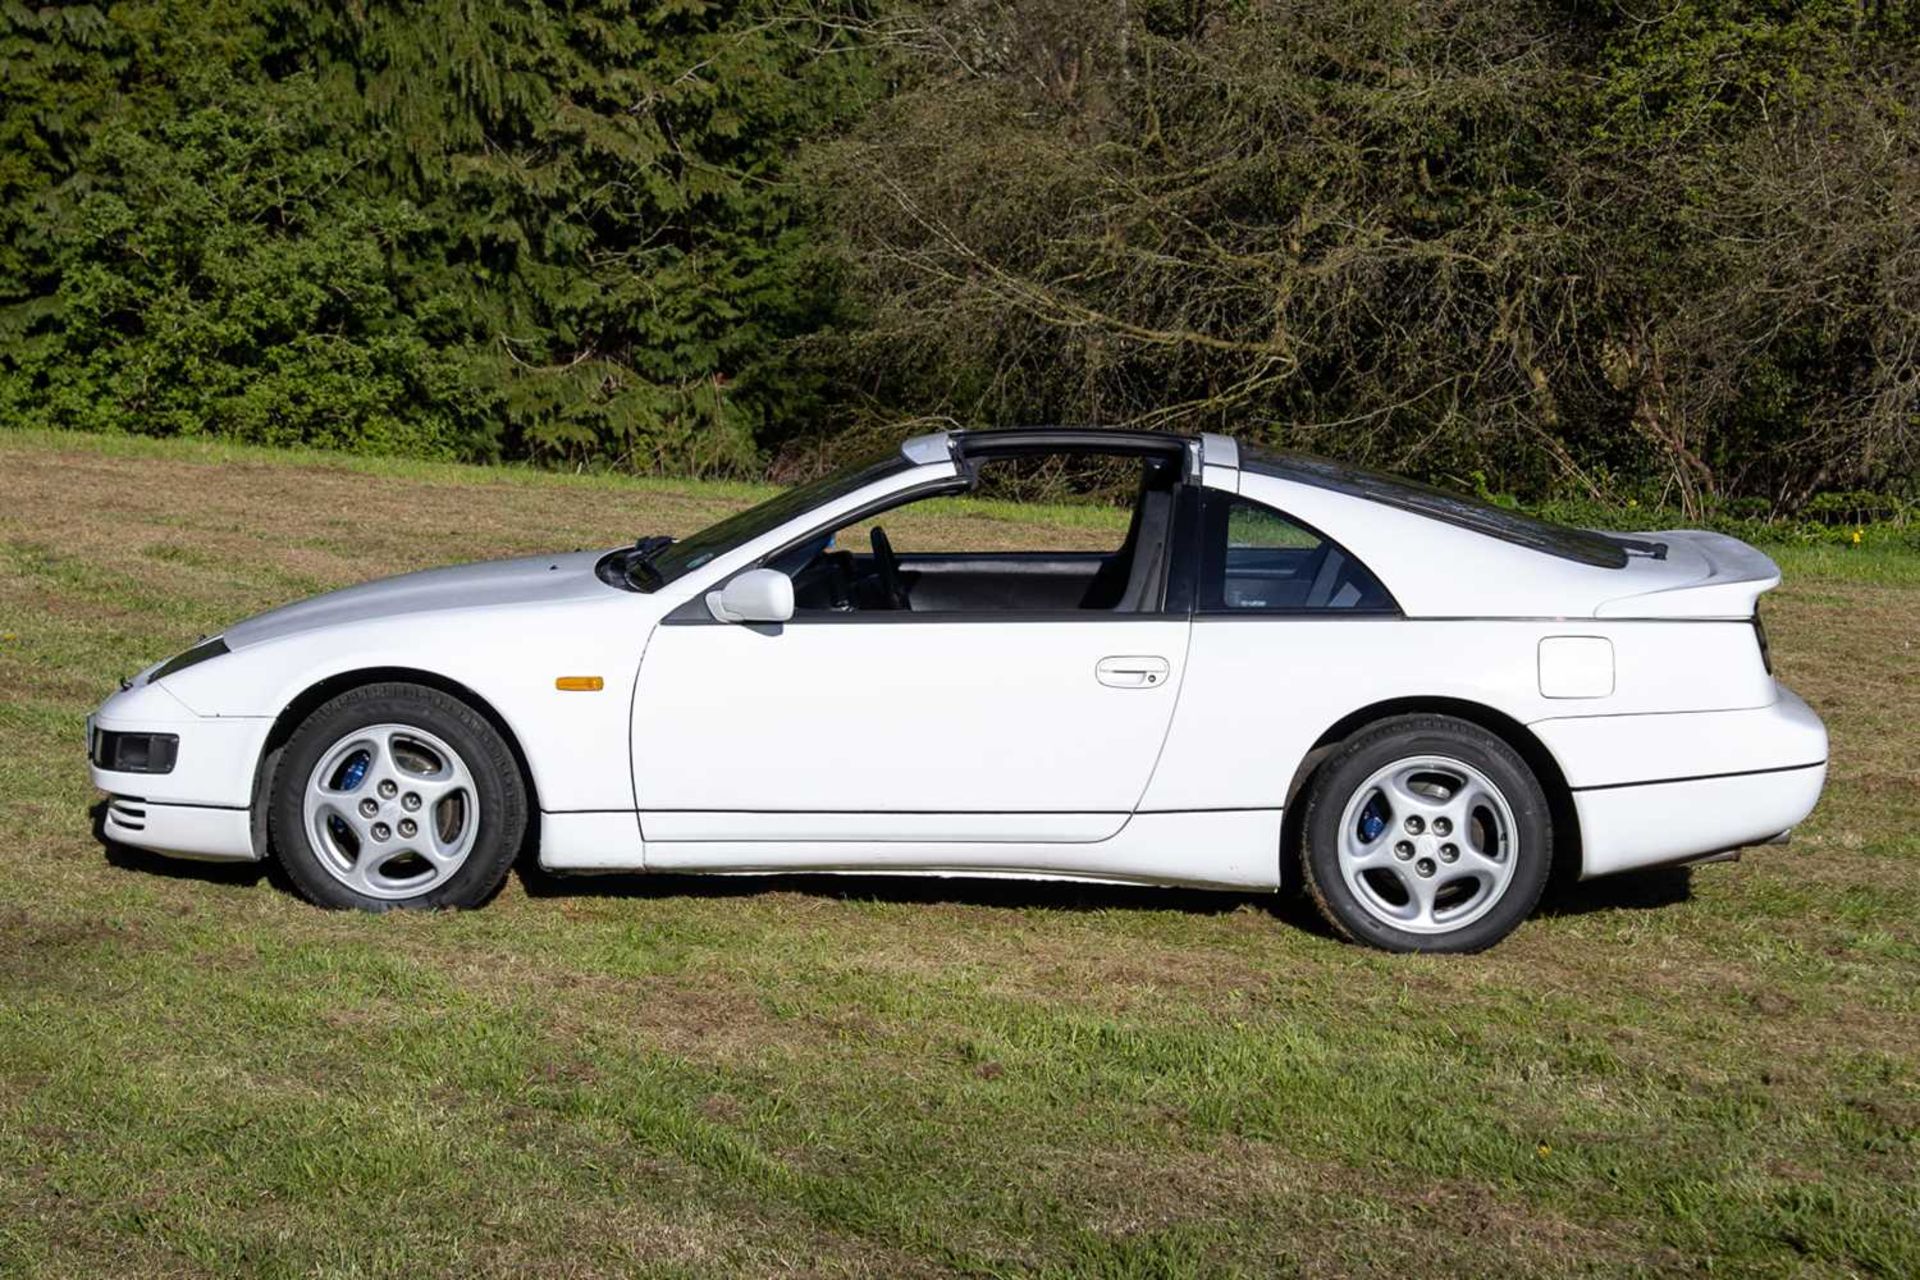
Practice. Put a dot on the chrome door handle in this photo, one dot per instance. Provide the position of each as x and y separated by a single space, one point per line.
1131 673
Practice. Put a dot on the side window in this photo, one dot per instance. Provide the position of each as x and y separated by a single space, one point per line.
1042 533
1255 560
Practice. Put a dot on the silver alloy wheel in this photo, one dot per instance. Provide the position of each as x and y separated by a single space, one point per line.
391 811
1427 844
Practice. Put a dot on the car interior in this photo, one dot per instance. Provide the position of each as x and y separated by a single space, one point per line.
878 577
1252 558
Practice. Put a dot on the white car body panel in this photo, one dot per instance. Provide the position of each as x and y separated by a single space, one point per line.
1704 575
1275 686
496 586
818 826
604 841
507 654
1002 746
1620 750
219 769
1225 850
913 721
1640 826
214 833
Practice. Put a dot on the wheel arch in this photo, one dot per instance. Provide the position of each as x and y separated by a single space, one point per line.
317 694
1567 855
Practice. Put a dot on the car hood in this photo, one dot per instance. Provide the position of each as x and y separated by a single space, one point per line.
534 580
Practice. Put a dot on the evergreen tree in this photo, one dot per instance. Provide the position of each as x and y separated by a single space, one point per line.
559 232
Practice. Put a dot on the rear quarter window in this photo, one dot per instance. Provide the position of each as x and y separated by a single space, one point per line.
1257 560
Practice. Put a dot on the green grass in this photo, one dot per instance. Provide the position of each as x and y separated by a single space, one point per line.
1671 1073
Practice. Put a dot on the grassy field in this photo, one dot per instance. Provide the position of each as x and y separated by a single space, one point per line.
1669 1073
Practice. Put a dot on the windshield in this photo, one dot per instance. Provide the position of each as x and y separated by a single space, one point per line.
1581 545
690 553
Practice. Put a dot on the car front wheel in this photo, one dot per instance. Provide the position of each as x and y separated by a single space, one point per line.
397 795
1426 833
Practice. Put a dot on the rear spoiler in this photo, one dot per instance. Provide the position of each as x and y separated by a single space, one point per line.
1703 575
1639 546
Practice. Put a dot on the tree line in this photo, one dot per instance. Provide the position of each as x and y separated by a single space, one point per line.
1657 248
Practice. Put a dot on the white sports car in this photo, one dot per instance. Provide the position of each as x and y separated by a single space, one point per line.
1415 702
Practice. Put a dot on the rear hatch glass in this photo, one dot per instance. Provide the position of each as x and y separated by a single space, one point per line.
1585 546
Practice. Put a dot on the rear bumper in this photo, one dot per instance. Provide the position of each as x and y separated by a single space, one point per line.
1659 823
1657 789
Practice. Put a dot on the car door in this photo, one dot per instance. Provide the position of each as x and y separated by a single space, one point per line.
907 729
913 730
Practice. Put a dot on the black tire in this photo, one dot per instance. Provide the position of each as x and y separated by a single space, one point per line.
501 795
1347 771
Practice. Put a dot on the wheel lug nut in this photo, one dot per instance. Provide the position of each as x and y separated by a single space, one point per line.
1449 852
408 827
1415 826
387 789
1442 827
1403 850
381 831
1424 866
368 808
410 801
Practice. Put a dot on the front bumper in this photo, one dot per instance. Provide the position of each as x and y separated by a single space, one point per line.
198 808
184 830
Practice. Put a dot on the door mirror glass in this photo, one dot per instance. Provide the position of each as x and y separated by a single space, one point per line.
758 595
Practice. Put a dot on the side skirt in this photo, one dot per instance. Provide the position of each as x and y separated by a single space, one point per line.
599 841
1220 849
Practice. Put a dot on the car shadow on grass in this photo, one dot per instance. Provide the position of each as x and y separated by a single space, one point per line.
954 890
1631 891
1648 890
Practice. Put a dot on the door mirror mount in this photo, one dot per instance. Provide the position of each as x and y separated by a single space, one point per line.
758 595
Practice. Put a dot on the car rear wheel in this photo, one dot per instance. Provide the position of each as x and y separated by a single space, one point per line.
1426 833
397 795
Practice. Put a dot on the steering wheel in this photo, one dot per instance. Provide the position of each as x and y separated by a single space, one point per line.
887 565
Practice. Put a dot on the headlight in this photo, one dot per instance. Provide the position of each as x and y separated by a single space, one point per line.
134 752
191 658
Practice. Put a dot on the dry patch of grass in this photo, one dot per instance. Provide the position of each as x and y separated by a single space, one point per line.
868 1077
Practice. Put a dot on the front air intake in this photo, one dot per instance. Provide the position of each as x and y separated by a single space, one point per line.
127 812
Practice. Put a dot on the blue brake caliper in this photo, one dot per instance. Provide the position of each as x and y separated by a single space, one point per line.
1372 821
351 776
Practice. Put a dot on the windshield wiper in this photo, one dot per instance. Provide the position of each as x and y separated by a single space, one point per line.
639 567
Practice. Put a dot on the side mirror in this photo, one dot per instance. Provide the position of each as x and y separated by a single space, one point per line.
758 595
